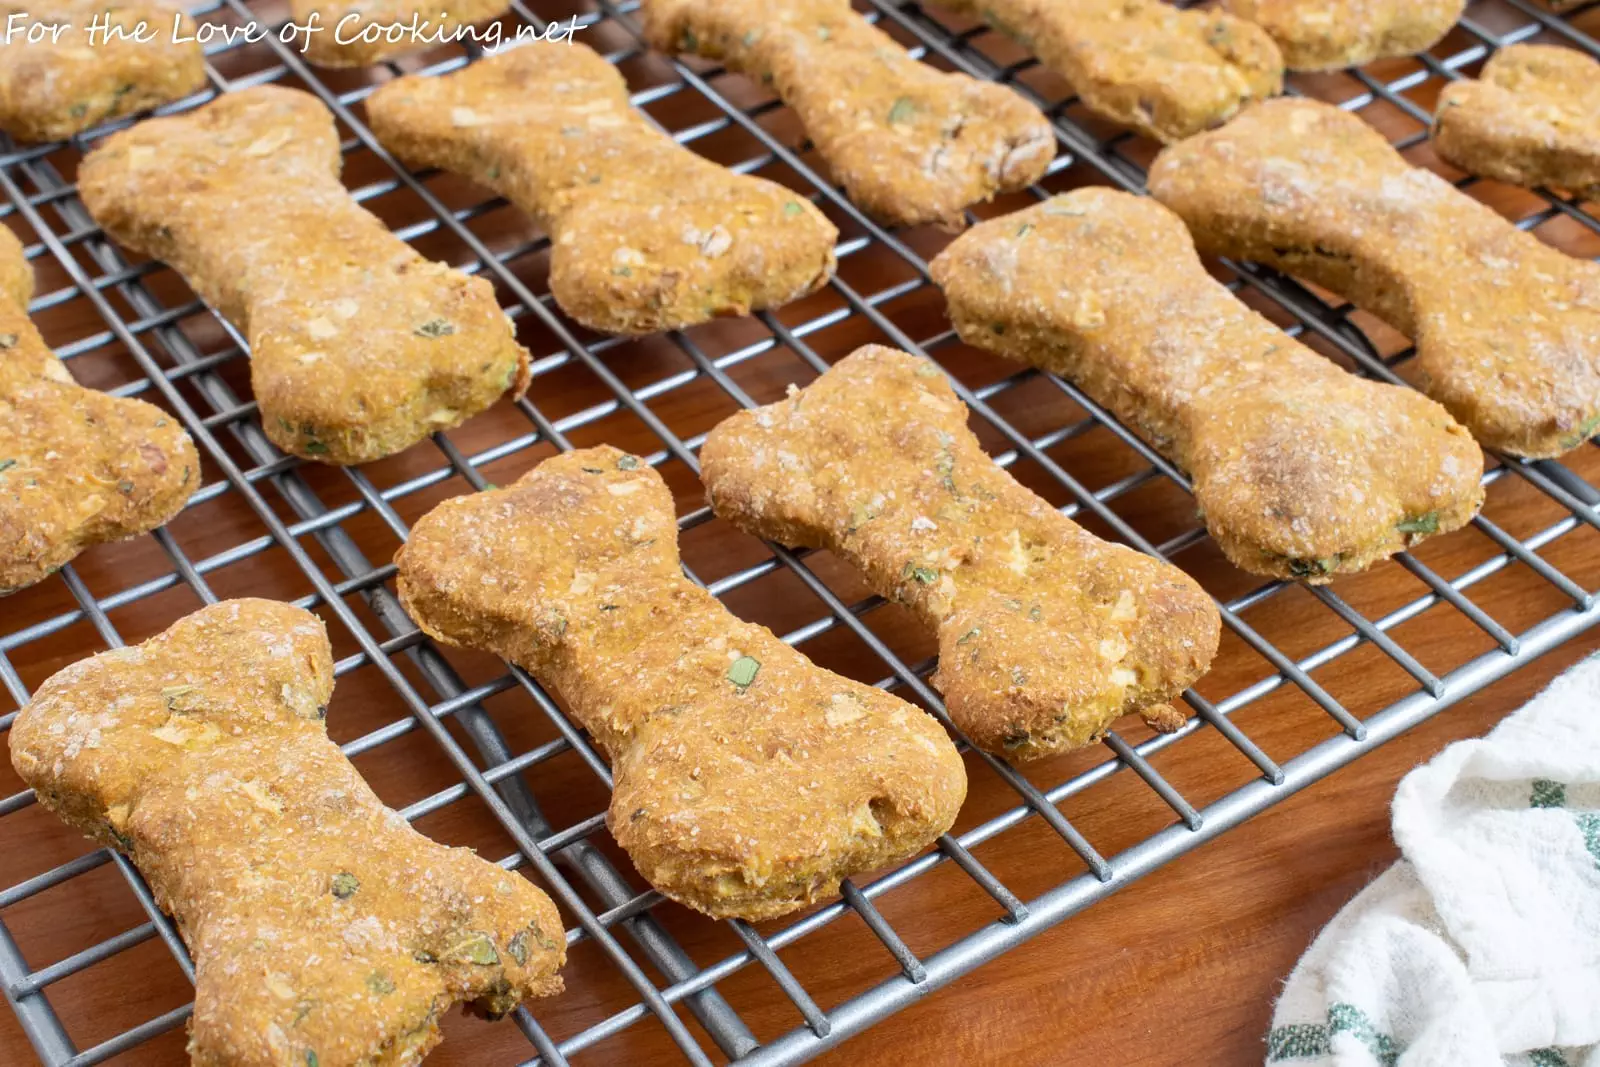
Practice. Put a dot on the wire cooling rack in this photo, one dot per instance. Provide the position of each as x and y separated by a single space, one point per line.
478 754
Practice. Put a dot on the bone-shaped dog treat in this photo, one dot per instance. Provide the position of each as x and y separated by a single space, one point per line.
1301 470
645 234
1532 118
325 931
1046 633
77 467
360 33
1166 72
910 144
1507 328
359 346
1334 34
57 80
748 780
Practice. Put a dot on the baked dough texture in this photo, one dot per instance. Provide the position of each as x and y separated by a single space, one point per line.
645 234
1335 34
1301 470
361 44
77 467
748 781
909 144
1167 73
324 930
359 346
62 84
1047 634
1507 328
1532 118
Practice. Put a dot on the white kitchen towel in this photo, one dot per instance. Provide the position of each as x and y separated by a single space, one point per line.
1481 947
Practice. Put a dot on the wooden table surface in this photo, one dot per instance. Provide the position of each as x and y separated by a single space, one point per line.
1178 968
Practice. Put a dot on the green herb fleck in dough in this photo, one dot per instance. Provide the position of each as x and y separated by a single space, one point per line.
918 573
311 1058
379 983
927 370
125 487
622 272
969 635
743 672
1019 676
477 949
1426 523
8 340
1572 440
904 110
422 955
1024 229
628 463
315 448
435 328
1015 740
517 948
7 464
345 884
791 208
691 43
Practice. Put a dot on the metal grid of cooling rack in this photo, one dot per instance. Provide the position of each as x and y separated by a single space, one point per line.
599 900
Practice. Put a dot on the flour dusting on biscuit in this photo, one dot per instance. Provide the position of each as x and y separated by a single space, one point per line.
66 79
77 467
1300 469
1335 34
748 780
1532 118
910 144
1047 634
359 346
1166 72
325 931
646 235
1507 328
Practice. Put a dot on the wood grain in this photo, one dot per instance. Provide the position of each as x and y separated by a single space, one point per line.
1178 968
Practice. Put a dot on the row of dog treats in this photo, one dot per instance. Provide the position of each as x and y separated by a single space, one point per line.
1165 72
360 347
748 781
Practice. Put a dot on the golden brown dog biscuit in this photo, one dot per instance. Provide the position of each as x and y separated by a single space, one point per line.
77 467
748 780
57 78
357 33
909 143
325 930
1507 328
1334 34
1167 73
645 234
1532 118
1301 470
359 346
1046 633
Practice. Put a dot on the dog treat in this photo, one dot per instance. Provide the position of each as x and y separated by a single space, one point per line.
748 780
1335 34
77 467
1507 328
645 235
325 930
1166 72
1532 118
1046 633
1301 470
359 346
360 33
909 143
57 80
